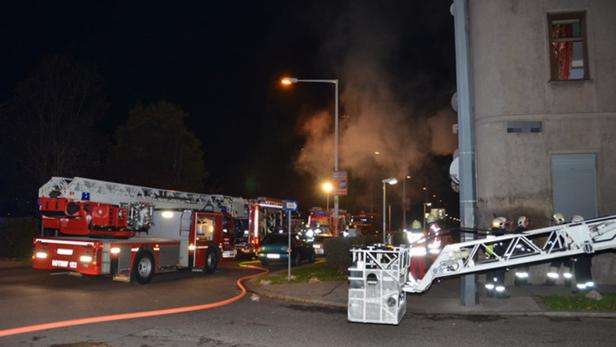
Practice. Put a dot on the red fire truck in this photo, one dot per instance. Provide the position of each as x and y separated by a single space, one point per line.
266 217
130 232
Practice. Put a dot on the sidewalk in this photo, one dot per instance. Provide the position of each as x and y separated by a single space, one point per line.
441 299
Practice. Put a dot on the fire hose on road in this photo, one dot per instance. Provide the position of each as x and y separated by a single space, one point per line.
142 314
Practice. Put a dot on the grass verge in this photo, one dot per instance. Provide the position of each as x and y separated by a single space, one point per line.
580 303
304 273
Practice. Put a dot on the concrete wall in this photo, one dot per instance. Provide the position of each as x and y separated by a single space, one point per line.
511 81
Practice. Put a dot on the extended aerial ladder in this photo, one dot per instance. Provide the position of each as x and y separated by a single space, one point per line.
533 246
379 276
95 207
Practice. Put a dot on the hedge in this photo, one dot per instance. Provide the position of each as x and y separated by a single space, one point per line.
338 250
16 236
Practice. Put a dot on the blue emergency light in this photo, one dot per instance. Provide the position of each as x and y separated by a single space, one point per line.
85 196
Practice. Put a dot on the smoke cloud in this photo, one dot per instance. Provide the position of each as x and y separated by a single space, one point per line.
377 114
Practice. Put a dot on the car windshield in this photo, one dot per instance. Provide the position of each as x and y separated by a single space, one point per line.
276 238
322 238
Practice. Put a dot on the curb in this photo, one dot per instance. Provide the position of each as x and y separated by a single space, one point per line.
259 290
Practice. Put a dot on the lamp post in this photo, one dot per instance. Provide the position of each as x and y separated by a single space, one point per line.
390 181
327 188
404 207
292 80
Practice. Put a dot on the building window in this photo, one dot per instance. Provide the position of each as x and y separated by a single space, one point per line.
568 55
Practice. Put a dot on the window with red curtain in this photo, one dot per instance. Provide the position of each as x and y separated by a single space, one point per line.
568 55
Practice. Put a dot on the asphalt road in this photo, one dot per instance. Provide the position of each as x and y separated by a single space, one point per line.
27 298
33 297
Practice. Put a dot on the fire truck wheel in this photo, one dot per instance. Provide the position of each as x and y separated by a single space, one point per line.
211 261
311 258
297 259
143 267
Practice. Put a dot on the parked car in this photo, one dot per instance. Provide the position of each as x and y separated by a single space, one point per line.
274 249
318 244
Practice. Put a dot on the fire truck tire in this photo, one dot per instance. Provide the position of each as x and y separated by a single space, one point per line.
211 261
297 259
143 267
311 258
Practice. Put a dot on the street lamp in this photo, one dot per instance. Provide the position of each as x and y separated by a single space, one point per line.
391 181
426 204
286 81
404 207
327 188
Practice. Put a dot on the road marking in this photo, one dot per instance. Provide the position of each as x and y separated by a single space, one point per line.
142 314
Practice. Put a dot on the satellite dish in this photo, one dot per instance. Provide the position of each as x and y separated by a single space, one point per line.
454 172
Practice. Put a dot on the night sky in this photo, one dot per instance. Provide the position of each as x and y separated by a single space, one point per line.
221 63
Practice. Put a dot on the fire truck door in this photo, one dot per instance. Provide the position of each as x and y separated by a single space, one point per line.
185 223
204 236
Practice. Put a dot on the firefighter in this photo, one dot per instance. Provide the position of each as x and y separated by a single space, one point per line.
521 272
417 239
582 267
553 274
495 279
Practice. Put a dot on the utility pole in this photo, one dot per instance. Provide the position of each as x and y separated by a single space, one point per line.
466 141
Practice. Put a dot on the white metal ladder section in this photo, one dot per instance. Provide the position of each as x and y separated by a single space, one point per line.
538 245
119 193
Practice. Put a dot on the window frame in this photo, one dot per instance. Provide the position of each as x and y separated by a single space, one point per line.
581 16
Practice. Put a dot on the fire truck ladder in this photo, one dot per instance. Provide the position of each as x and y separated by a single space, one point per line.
538 245
86 189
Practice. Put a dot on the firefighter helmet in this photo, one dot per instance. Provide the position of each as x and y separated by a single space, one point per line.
523 222
558 218
499 223
416 225
577 218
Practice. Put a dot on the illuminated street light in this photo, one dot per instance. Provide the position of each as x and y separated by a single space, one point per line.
391 181
404 206
327 188
286 81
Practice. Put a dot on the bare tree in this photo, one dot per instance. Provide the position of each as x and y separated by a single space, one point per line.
154 148
51 119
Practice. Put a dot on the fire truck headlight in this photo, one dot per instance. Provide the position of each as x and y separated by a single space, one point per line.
85 258
115 250
167 214
191 247
41 255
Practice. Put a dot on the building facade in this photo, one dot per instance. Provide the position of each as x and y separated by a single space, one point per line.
544 97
